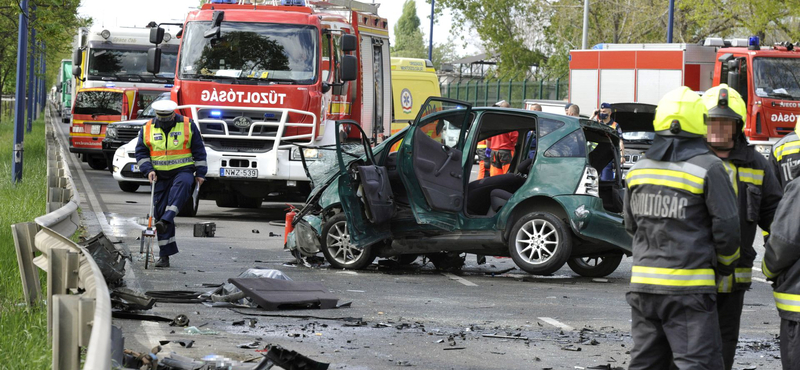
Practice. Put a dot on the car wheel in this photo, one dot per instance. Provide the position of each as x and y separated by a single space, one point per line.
128 187
540 243
598 266
97 162
227 201
337 248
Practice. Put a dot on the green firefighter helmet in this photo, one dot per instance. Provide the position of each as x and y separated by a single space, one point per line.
681 113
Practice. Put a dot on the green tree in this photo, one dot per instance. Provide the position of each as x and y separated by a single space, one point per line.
409 42
444 53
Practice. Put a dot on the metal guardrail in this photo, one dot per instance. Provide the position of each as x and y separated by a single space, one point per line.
78 301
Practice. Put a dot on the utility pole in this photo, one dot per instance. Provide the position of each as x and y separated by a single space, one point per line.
31 84
430 40
43 78
585 38
19 109
671 20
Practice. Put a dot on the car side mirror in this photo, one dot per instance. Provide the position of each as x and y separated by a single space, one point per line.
76 71
349 68
154 60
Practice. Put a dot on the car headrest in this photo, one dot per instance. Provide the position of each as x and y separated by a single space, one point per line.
525 166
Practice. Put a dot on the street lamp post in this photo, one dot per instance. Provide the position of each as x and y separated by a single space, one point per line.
585 40
430 40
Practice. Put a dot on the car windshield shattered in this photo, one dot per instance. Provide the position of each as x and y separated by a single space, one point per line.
326 165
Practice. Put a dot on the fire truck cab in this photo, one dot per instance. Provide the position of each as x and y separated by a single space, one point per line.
266 83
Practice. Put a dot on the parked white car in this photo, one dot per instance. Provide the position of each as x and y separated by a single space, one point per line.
125 169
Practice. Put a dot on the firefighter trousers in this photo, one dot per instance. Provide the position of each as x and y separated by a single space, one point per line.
170 195
681 328
790 344
501 161
729 308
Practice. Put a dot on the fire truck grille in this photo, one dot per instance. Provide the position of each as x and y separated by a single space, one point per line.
239 145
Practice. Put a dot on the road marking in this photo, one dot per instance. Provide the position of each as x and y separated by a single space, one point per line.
152 332
761 280
556 323
459 279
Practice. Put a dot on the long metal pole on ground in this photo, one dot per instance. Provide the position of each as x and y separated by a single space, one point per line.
430 40
19 109
671 20
585 38
31 84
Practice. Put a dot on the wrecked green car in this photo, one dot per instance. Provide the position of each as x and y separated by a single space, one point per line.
414 195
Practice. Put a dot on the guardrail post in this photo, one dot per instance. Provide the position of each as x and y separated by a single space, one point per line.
66 333
24 234
497 91
466 88
62 275
510 94
476 91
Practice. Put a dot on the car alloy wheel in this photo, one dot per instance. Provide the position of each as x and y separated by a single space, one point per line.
337 248
537 241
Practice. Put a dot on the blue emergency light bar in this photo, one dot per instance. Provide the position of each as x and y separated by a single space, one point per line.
215 113
293 2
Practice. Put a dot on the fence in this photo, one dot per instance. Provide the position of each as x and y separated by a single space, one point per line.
485 93
78 301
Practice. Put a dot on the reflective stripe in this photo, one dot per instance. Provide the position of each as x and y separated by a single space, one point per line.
730 168
687 167
201 163
787 302
669 178
172 162
766 271
162 243
672 277
172 208
744 275
751 175
727 260
143 161
791 147
171 152
725 284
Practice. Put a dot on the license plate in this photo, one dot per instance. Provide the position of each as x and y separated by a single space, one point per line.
236 172
95 129
134 168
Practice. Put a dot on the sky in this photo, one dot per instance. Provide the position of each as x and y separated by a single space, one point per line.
110 14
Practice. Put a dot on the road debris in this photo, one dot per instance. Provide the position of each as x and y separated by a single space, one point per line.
571 348
193 330
129 300
275 294
255 231
180 320
183 342
109 258
175 296
138 316
251 345
518 336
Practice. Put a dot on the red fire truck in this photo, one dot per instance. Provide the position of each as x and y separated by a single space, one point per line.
263 82
642 73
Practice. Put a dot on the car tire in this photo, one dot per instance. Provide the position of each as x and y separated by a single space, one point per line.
128 187
227 201
540 243
335 245
97 162
598 266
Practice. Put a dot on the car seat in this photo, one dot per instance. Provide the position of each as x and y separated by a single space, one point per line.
479 192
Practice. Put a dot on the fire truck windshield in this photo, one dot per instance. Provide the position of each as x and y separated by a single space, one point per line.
123 64
272 53
99 103
777 77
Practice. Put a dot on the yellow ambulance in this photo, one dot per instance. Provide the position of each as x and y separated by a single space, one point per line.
413 81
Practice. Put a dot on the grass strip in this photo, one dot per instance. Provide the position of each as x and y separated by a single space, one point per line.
24 343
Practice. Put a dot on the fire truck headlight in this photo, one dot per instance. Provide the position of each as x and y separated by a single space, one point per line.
311 154
105 34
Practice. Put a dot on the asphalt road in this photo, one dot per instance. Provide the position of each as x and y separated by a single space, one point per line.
413 316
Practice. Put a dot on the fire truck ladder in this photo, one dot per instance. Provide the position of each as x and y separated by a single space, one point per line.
345 5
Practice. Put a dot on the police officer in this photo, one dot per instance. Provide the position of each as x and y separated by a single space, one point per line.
603 116
781 265
170 152
680 208
758 191
785 157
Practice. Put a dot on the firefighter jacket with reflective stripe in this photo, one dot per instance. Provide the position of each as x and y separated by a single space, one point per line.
758 192
785 157
169 150
782 256
684 223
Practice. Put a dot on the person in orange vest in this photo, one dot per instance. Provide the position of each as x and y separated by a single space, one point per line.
502 147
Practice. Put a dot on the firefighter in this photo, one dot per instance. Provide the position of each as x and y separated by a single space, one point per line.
502 147
781 266
758 192
170 152
680 208
785 156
